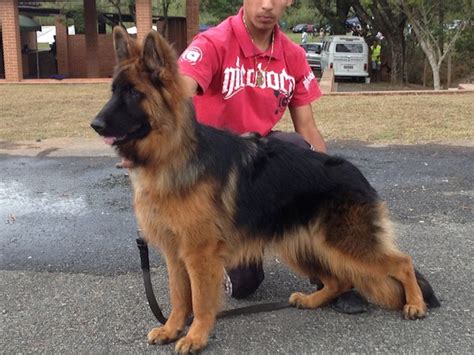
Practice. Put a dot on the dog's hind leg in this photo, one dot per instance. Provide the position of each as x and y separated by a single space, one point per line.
332 288
206 271
390 282
180 294
401 268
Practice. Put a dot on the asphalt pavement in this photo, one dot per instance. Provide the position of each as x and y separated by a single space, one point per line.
70 277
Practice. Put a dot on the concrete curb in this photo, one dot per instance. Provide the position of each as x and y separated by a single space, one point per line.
57 81
402 92
58 147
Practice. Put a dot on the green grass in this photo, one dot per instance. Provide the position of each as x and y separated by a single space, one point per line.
43 47
296 37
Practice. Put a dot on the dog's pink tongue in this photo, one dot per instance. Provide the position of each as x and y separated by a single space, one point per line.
109 140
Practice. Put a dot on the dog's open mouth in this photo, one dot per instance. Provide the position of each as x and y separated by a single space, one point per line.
136 133
115 140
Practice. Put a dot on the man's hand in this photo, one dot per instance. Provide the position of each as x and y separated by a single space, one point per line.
304 124
126 164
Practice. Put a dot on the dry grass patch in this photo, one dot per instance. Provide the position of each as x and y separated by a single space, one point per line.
403 119
49 111
29 112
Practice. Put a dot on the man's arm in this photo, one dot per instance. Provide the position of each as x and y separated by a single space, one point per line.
304 124
190 85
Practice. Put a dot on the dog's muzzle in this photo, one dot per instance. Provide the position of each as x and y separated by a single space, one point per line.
98 124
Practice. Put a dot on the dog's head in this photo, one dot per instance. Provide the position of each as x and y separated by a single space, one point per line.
146 94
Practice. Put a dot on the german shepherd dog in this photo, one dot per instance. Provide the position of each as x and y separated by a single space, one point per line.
208 199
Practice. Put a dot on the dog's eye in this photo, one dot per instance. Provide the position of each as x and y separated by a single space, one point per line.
132 92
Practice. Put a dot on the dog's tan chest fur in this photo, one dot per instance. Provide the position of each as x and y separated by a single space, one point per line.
179 215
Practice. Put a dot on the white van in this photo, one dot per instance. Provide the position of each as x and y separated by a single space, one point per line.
348 56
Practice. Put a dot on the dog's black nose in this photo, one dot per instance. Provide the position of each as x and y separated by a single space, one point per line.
98 124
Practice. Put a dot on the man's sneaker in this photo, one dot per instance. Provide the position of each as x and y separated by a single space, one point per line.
350 302
227 284
243 280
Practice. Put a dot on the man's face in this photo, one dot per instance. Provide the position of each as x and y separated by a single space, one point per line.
264 14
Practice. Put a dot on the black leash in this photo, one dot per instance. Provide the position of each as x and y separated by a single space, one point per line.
150 295
155 308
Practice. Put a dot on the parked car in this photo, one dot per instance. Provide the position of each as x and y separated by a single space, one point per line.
204 27
300 28
305 27
348 56
313 54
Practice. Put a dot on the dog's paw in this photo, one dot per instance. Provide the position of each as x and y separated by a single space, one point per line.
190 344
411 311
299 300
162 335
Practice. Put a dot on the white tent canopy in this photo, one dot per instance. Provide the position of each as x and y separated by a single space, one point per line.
47 33
133 30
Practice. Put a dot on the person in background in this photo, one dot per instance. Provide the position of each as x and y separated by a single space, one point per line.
376 61
322 33
304 37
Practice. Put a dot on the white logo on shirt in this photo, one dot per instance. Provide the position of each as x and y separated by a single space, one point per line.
192 55
308 79
237 78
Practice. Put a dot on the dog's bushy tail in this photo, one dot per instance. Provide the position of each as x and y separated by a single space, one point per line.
428 294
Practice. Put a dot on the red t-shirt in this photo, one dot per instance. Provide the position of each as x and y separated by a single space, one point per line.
224 61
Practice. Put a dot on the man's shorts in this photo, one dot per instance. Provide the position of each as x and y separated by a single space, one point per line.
291 137
375 65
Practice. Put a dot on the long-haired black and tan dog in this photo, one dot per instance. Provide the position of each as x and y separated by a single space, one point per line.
209 199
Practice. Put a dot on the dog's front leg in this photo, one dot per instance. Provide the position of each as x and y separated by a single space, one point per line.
180 294
205 269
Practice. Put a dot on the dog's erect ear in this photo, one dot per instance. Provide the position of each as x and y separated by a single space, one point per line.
122 44
158 54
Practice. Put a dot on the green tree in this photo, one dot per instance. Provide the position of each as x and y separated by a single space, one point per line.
336 12
117 4
165 7
220 9
378 15
436 35
384 16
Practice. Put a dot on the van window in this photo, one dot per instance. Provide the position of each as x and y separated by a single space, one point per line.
349 48
316 48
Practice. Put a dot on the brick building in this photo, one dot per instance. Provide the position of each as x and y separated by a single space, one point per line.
89 55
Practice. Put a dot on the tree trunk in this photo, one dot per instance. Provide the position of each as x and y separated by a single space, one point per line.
435 68
397 72
435 64
425 71
165 15
448 79
436 78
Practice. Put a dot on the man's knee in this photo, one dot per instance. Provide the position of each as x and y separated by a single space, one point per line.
291 137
